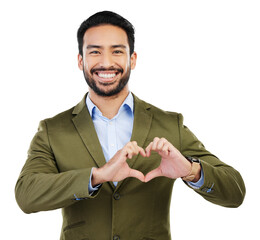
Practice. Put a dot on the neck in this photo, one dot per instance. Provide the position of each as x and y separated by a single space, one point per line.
109 106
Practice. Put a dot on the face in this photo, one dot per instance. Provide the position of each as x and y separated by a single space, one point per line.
106 60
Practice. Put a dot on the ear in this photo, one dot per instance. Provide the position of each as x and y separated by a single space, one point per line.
80 62
133 60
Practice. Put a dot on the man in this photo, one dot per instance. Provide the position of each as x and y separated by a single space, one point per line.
111 161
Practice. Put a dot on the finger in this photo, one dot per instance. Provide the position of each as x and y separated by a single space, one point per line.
155 142
161 143
128 152
129 155
148 149
151 146
137 174
136 151
153 174
134 147
141 151
172 148
165 148
130 149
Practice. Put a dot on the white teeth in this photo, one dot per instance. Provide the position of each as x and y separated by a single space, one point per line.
106 75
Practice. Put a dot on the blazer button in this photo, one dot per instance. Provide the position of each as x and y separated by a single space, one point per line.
116 237
116 196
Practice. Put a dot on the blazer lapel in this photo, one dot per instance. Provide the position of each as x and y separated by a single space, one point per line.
87 132
141 128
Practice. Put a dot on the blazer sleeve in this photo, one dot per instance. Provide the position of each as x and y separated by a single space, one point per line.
223 185
41 186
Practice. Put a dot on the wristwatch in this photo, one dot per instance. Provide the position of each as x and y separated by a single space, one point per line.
195 165
192 159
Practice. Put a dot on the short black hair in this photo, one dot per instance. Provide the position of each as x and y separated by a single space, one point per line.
103 18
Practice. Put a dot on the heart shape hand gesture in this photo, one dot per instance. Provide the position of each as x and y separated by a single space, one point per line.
173 163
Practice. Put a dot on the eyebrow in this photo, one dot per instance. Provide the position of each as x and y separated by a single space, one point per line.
119 46
113 46
93 46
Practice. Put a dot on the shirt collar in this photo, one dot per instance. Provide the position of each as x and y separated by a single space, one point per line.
129 102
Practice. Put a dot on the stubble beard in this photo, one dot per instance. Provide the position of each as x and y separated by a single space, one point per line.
117 89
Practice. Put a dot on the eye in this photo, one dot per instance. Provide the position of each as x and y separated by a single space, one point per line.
118 52
95 52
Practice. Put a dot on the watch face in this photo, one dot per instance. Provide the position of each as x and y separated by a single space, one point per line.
192 159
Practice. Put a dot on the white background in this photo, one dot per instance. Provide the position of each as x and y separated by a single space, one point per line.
197 57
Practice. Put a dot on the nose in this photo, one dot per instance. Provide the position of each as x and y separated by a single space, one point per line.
106 60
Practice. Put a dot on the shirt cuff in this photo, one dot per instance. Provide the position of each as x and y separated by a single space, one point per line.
199 183
91 189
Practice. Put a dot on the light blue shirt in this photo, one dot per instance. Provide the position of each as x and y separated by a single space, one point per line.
115 133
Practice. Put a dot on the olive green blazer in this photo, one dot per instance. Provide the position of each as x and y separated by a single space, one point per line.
66 147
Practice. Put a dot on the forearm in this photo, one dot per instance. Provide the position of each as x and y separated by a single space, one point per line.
223 185
46 191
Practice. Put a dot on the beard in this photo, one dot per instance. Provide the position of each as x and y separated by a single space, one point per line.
118 88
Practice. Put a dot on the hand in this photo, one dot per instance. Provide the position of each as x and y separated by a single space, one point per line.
173 163
117 169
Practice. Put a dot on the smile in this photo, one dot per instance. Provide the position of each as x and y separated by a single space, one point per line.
106 75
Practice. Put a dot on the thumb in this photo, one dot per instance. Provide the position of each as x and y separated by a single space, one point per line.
153 174
137 174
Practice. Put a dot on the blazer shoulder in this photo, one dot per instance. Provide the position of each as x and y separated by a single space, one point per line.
166 118
66 116
156 111
62 116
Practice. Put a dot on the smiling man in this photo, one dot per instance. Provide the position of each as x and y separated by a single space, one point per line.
111 161
102 45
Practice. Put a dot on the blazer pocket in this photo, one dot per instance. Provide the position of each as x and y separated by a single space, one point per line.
75 231
73 225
